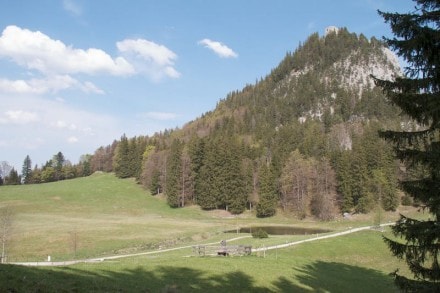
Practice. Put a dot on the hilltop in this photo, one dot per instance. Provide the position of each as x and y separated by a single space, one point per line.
302 140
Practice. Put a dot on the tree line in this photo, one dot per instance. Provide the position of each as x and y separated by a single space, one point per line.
55 169
296 141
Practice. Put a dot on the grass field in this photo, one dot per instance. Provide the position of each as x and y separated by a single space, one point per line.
102 215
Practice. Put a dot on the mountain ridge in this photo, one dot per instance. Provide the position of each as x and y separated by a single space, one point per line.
316 114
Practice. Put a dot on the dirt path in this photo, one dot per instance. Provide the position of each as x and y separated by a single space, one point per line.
353 230
101 259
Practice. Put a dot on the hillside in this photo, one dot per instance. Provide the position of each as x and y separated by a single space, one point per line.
303 139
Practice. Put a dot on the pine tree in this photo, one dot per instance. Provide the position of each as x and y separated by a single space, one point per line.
233 181
58 163
207 183
155 187
416 40
345 180
13 178
121 160
196 151
267 204
174 173
26 171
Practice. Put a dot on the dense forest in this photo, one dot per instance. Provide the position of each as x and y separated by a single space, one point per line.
303 140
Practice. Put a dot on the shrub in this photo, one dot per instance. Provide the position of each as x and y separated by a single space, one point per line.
407 200
260 233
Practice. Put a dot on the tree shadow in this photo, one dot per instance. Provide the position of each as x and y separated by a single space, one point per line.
163 279
336 277
316 277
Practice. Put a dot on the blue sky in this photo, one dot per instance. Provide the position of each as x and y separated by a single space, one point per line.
77 74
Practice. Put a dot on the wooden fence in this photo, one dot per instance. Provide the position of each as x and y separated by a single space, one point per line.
224 250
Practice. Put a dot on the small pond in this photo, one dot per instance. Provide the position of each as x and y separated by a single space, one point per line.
280 230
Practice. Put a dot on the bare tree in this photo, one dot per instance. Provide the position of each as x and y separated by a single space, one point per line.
324 197
294 184
6 216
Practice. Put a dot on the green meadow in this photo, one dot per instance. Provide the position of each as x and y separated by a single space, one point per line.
101 216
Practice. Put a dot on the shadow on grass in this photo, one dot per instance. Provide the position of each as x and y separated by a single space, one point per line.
337 277
317 277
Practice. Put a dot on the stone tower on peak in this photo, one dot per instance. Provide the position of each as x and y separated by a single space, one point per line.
331 29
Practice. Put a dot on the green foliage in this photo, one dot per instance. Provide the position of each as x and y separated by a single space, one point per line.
268 198
26 172
221 180
174 173
407 200
121 160
306 103
417 95
155 186
260 234
13 178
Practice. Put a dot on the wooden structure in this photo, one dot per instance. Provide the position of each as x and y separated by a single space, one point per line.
223 250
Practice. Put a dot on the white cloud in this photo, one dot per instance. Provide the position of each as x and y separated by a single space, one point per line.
157 61
162 116
218 48
72 7
37 51
40 127
72 139
18 117
50 84
65 125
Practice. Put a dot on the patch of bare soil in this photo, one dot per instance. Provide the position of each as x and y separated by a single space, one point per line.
220 214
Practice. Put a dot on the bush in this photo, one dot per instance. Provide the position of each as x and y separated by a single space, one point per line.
407 200
260 233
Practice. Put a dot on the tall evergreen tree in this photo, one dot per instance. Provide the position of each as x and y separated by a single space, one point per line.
174 173
416 40
345 180
13 178
233 180
267 204
26 172
155 187
196 151
58 163
121 160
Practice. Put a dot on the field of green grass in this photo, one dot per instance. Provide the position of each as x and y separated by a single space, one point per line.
101 215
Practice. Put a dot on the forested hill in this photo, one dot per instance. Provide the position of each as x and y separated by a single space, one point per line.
302 140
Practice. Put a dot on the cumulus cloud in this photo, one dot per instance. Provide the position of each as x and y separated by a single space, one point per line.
218 48
37 51
57 62
50 84
149 58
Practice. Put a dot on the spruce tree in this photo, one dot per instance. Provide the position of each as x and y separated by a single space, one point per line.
417 94
155 183
233 188
121 160
13 178
174 173
267 204
26 172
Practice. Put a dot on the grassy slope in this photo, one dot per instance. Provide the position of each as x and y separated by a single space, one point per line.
354 263
106 215
117 216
